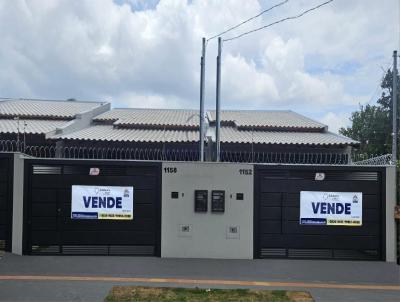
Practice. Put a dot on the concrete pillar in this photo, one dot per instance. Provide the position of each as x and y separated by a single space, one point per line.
391 234
18 204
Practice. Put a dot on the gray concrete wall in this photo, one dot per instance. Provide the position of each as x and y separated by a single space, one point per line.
18 204
391 238
188 234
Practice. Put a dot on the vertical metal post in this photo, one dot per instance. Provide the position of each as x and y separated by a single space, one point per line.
394 103
18 131
218 103
24 147
252 144
202 78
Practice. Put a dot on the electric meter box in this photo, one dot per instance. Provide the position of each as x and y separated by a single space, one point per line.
218 201
206 220
200 201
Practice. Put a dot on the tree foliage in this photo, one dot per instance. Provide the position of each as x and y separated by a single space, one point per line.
372 124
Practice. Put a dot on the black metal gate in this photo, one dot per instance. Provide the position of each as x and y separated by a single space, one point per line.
49 228
6 176
277 232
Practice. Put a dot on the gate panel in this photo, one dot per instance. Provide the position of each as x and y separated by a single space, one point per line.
6 175
278 232
51 229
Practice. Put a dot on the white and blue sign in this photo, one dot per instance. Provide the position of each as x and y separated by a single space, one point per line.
331 208
102 202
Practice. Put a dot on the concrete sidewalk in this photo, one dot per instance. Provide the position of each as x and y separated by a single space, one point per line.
305 271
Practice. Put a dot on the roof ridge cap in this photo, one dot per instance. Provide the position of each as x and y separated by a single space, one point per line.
49 100
132 108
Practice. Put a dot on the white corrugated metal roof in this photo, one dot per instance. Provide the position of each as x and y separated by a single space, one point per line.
110 133
152 117
267 119
190 118
228 135
30 126
233 135
44 108
167 125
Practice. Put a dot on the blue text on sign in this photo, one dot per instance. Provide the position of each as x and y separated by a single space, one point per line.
331 208
102 202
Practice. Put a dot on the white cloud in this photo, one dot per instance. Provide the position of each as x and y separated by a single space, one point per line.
335 121
137 100
242 83
285 62
285 57
147 53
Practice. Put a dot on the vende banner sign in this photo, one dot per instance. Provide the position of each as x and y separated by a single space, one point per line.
102 202
331 208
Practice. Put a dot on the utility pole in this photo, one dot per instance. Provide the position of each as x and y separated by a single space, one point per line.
394 110
394 142
202 77
218 103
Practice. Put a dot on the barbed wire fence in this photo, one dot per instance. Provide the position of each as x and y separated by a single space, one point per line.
81 152
181 154
376 160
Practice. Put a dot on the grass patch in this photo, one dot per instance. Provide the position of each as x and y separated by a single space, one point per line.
161 294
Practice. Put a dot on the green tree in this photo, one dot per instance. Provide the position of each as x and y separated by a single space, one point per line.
372 124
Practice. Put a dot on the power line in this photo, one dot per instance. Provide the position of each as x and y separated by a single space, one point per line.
280 21
252 18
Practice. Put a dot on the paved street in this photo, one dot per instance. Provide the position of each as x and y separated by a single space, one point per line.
342 278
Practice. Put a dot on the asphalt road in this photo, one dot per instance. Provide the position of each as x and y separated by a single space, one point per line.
307 272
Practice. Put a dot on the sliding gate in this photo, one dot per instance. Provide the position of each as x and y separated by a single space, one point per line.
49 228
278 233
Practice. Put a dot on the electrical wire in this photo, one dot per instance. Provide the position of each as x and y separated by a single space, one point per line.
280 21
244 22
385 70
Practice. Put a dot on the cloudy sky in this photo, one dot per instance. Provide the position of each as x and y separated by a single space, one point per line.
138 53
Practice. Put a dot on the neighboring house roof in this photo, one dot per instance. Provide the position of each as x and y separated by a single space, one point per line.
228 135
44 109
272 119
238 127
233 135
111 133
151 118
71 120
30 126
